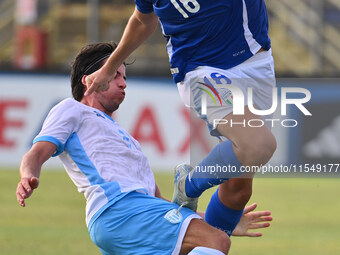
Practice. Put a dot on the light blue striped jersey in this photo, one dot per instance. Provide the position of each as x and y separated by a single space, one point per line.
101 158
216 33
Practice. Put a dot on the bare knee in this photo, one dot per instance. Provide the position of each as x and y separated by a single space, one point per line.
268 147
219 240
222 242
200 233
259 151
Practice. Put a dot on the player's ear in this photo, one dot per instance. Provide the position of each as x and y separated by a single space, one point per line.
83 81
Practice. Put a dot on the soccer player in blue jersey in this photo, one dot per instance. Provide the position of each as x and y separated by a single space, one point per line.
211 45
125 212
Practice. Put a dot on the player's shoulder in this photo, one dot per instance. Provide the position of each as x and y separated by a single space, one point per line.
66 105
68 102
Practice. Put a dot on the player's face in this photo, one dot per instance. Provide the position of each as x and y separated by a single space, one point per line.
114 96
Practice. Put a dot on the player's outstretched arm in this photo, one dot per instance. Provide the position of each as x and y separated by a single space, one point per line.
30 168
252 220
139 28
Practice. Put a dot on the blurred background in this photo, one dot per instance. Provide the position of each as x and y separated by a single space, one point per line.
44 35
38 41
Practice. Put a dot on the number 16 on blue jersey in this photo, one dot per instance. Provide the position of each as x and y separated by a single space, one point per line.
191 6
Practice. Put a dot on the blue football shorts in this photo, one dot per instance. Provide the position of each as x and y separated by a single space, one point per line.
141 224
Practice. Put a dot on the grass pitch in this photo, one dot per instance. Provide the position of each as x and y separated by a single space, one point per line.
306 217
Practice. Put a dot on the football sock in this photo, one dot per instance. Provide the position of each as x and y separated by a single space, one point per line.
205 251
220 216
213 170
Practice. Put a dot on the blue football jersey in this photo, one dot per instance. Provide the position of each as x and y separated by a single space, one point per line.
217 33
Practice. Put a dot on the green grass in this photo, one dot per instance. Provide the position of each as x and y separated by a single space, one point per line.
306 217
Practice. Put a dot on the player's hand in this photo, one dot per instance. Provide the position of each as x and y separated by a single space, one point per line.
98 81
252 220
25 188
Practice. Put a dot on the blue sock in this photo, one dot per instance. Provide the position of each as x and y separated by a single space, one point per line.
220 216
222 156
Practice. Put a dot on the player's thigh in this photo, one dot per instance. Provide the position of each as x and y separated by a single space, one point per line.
245 130
200 233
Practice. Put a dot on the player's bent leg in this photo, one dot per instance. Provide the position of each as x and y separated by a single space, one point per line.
200 234
252 146
247 146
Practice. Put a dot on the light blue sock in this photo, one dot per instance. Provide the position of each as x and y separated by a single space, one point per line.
220 158
220 216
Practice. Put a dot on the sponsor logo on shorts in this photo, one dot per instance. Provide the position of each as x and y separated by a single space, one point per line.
173 216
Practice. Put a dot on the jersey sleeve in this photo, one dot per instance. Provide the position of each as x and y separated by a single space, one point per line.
144 6
60 123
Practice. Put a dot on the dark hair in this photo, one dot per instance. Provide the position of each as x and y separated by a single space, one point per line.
88 60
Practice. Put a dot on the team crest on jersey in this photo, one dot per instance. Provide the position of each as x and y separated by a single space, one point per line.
173 216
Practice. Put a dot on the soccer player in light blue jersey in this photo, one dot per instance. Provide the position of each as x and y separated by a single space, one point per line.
212 45
125 212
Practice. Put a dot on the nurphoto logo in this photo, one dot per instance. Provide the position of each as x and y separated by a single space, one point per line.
234 96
